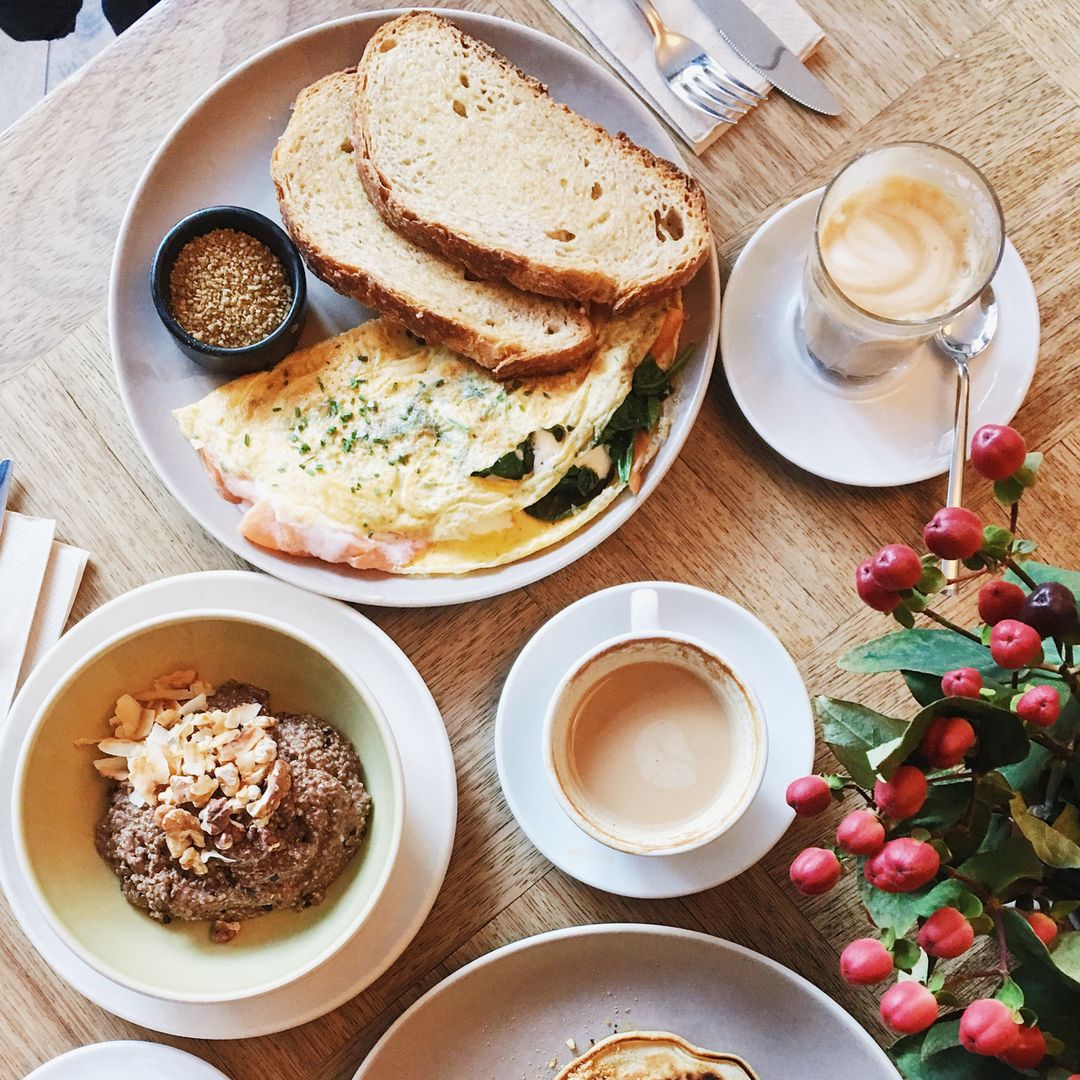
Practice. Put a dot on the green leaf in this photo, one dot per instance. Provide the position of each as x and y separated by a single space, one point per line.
906 954
1014 860
1057 1001
930 651
1011 995
903 616
851 730
1025 475
1008 491
1023 548
947 1063
1027 776
925 689
946 803
900 911
1068 822
932 580
940 1037
996 541
1055 848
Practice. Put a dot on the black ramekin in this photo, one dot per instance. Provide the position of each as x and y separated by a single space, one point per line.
276 345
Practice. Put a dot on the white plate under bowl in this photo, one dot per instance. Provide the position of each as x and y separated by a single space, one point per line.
220 153
510 1013
141 1060
430 801
885 432
734 633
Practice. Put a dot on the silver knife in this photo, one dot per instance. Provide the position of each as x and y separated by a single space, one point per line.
765 52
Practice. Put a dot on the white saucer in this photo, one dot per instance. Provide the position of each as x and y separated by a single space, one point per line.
430 816
753 650
893 430
106 1061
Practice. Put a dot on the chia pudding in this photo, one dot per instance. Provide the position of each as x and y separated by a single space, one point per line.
268 821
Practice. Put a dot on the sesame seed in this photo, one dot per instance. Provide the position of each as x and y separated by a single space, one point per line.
228 289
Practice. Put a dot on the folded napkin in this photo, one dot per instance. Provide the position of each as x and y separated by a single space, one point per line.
618 31
39 578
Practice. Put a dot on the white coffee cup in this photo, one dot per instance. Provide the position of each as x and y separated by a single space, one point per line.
691 771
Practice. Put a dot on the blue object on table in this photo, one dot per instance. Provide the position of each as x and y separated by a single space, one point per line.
7 468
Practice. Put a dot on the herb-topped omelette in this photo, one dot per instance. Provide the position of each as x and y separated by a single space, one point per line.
377 450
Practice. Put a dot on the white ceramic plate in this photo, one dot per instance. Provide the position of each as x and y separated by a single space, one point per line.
894 430
107 1061
430 814
220 153
508 1014
754 652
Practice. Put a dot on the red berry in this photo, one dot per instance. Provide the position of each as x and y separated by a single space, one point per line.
997 451
946 741
870 592
954 533
903 795
860 833
908 1008
1028 1050
865 962
1000 600
902 865
897 567
988 1028
1015 645
963 682
946 934
1039 705
1046 930
815 871
808 795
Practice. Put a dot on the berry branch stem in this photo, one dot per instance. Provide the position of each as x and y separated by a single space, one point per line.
930 613
1055 748
1014 514
1021 573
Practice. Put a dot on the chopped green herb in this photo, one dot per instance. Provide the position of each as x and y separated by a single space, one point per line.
247 439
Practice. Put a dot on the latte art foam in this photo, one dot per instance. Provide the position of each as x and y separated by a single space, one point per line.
901 248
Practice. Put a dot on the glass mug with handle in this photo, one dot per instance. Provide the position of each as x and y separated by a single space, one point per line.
907 235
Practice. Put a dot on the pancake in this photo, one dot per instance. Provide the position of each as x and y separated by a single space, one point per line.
654 1055
380 451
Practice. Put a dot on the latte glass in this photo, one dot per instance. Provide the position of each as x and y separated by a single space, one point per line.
841 333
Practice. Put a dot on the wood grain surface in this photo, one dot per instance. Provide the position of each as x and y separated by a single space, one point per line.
995 79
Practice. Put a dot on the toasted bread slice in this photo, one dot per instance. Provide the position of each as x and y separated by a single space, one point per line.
347 244
470 157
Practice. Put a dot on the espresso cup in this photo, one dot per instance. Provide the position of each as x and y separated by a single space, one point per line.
906 236
653 743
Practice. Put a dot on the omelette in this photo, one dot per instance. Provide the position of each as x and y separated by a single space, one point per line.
379 451
653 1055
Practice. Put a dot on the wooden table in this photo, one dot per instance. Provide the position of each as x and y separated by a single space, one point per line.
998 80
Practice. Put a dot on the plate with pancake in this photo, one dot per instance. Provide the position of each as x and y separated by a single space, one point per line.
701 1007
377 464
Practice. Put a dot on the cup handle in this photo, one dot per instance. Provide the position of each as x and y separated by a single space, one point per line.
644 611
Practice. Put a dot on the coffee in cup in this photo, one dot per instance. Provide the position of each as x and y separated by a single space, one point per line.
653 743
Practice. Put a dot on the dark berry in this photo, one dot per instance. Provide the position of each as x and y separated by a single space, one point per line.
1050 609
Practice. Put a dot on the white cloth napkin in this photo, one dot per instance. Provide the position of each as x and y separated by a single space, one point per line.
39 579
618 31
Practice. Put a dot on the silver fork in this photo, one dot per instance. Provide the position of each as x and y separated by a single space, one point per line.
694 75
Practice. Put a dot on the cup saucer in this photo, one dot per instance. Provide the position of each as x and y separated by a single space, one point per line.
722 625
883 432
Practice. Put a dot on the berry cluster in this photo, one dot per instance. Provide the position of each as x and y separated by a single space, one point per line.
902 842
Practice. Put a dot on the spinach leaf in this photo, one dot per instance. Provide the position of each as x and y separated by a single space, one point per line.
514 464
576 488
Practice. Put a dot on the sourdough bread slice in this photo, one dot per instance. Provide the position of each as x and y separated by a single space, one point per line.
348 245
470 157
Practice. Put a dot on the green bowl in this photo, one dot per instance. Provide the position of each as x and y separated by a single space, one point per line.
59 798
